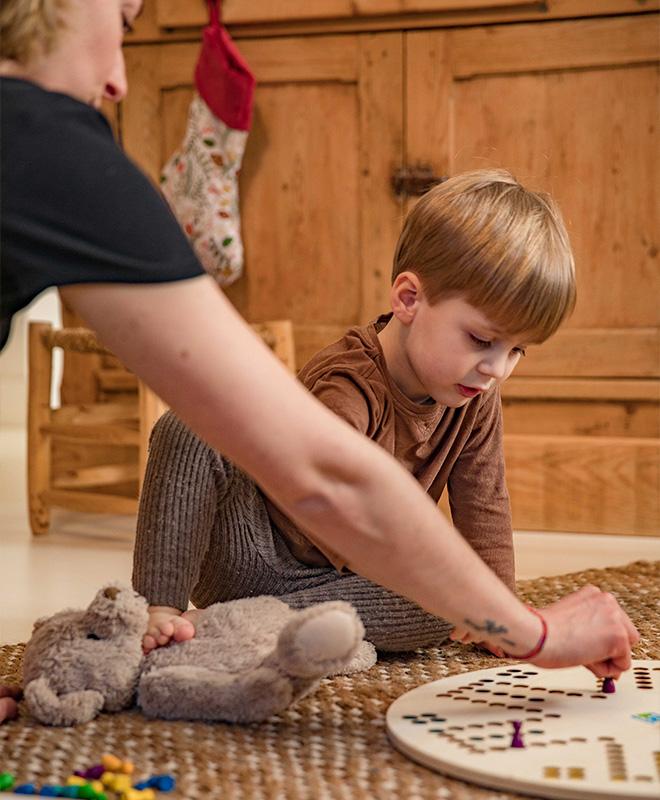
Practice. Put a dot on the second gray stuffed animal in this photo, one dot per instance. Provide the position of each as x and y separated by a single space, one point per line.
249 659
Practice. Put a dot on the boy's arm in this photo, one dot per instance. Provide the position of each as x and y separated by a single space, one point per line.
478 496
188 343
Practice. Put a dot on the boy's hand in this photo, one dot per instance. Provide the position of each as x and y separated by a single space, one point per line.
466 637
588 628
9 697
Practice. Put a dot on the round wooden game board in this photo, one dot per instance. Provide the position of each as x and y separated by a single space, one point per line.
578 742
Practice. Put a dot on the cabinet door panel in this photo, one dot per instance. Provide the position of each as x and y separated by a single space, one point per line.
511 96
570 108
319 219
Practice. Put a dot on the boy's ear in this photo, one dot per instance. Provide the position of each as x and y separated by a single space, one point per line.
405 296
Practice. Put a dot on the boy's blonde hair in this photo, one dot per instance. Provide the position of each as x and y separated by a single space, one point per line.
29 28
504 248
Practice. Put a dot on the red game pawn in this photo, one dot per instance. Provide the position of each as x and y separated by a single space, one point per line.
609 687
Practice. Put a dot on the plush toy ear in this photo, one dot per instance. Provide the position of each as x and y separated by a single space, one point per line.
71 708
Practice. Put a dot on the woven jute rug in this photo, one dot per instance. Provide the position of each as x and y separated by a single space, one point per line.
332 744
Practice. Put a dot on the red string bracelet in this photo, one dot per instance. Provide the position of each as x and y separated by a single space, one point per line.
539 645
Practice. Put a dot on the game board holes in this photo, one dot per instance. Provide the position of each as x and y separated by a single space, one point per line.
553 715
480 701
517 696
551 772
538 744
536 730
498 747
556 691
419 721
436 730
535 719
475 725
483 691
599 697
503 683
643 778
537 699
557 741
410 716
573 694
493 705
530 673
444 694
606 738
427 714
476 738
576 773
497 736
500 694
577 739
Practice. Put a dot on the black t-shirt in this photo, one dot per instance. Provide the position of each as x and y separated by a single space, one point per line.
73 207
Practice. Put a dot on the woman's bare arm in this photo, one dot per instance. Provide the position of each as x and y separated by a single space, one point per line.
189 344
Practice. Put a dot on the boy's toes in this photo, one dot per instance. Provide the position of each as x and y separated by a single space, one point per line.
148 643
183 630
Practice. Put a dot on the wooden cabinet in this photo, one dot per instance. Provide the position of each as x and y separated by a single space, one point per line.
564 96
318 229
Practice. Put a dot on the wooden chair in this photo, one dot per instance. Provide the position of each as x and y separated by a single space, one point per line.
91 455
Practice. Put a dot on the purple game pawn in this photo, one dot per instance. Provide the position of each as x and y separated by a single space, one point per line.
91 774
609 687
516 739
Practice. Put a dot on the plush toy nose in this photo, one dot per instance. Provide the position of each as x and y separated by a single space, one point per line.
111 592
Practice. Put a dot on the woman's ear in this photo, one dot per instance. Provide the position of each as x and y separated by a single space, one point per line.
405 296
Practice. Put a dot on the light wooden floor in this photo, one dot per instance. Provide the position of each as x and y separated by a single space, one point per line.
65 568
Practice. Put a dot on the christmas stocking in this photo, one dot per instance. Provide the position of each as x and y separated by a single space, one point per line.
200 180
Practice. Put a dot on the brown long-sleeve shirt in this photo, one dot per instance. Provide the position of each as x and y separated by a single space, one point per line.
460 448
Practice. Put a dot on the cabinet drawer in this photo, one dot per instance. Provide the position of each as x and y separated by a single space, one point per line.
175 14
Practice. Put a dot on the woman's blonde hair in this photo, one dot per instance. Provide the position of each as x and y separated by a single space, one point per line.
29 28
504 248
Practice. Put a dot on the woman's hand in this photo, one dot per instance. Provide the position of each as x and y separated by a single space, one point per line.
588 627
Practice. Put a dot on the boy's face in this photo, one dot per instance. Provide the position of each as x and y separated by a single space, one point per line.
449 351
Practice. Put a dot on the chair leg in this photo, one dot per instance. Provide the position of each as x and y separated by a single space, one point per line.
39 415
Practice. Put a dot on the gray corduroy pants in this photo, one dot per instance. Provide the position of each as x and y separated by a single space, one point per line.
204 535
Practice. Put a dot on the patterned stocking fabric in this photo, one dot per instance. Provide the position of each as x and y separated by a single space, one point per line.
200 182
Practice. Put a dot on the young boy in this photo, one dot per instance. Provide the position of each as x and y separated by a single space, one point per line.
483 267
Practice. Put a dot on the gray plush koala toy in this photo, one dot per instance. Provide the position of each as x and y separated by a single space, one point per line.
249 659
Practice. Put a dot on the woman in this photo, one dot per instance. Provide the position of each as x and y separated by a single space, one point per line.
77 214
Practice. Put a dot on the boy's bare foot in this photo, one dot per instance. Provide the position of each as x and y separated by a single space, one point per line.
166 624
193 614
